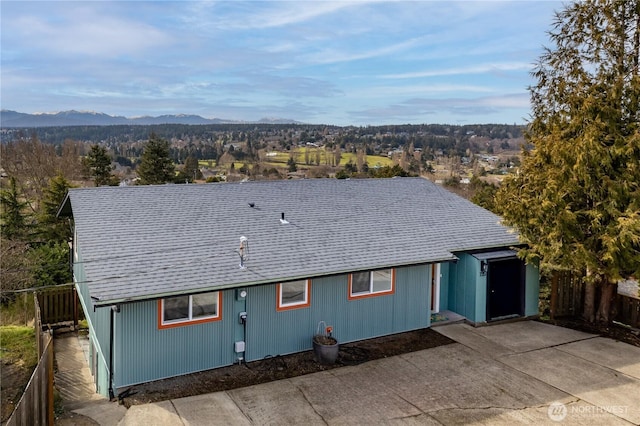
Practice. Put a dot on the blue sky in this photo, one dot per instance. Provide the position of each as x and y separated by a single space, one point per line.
343 63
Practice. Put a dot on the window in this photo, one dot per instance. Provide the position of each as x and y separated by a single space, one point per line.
185 310
371 283
293 295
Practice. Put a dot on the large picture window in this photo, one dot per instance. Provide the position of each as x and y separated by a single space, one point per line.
293 295
190 309
371 283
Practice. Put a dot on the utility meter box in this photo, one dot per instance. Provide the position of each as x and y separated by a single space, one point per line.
239 346
241 294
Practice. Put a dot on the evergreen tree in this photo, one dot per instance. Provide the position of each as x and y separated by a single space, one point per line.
291 164
49 264
483 193
99 163
50 227
13 223
192 168
156 166
576 199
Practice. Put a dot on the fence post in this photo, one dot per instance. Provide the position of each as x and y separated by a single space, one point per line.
37 324
75 307
554 295
50 407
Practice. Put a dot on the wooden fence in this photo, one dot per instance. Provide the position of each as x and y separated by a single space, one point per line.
628 310
567 294
36 404
58 305
567 300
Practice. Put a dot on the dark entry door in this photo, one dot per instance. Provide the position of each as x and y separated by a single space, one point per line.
505 288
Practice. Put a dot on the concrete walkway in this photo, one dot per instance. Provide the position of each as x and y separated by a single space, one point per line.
521 372
76 387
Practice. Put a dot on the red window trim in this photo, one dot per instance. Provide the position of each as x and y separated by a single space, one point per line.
162 326
281 308
351 296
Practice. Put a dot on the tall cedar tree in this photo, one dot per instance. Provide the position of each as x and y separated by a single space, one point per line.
12 219
576 199
156 166
99 163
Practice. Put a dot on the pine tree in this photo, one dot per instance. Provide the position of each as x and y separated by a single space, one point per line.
13 223
156 166
291 164
192 168
576 199
52 228
99 162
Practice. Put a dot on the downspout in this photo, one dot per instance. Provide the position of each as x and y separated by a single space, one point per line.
114 309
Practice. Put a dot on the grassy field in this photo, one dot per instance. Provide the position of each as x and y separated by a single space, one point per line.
19 357
18 345
280 159
19 312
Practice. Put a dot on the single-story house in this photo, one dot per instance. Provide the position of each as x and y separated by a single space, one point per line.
175 279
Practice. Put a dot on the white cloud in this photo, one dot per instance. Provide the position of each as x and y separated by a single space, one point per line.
330 56
258 15
469 69
86 31
481 109
393 92
307 60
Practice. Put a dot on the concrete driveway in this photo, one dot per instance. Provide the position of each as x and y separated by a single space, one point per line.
521 372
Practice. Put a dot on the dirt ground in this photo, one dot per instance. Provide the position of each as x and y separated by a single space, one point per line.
14 378
280 367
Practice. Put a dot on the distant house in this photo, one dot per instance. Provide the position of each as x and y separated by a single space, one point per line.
164 287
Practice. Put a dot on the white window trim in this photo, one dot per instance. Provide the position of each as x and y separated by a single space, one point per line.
191 319
371 292
304 303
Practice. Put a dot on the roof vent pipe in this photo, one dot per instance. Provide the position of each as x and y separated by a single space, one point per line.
282 219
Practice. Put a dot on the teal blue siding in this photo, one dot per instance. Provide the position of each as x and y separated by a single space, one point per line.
467 289
143 352
270 332
239 306
532 290
276 333
98 322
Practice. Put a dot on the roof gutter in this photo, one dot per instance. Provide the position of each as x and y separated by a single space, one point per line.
97 303
516 245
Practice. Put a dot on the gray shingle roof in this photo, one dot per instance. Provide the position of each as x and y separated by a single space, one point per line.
143 242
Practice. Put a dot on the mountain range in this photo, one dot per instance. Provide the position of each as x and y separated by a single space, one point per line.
10 118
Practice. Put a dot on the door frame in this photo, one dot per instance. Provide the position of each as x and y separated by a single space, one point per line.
434 308
522 285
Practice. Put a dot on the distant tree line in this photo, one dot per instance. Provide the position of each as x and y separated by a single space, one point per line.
239 132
